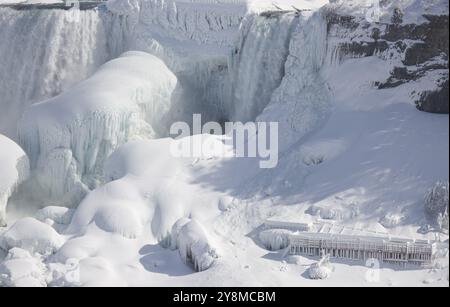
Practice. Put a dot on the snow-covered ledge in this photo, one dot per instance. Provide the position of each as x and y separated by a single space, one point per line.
14 169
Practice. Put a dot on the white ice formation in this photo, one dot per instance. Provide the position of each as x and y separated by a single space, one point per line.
69 137
14 170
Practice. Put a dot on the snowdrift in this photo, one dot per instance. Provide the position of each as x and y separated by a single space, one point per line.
69 137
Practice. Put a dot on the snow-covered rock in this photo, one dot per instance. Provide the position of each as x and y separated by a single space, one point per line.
32 235
14 170
68 138
275 239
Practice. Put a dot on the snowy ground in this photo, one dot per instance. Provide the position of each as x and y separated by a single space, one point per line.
351 156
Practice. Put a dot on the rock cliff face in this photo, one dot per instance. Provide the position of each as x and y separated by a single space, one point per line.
416 51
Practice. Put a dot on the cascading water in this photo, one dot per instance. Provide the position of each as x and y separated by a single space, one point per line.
258 63
301 102
45 52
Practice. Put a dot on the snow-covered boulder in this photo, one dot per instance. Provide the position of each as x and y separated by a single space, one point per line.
20 269
33 236
275 239
437 204
69 137
14 169
194 245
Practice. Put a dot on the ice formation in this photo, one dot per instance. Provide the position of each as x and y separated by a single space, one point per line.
14 170
301 103
321 269
48 52
263 46
275 239
69 137
193 244
437 203
346 141
32 235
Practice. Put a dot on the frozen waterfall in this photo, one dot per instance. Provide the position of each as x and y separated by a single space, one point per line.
48 51
258 62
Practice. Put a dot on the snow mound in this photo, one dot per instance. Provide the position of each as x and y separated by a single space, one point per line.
193 244
14 169
22 273
69 137
59 215
275 239
120 218
20 269
32 235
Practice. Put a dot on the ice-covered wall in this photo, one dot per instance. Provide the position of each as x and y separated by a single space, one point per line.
69 137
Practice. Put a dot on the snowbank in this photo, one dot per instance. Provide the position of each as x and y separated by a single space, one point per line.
31 235
14 169
69 137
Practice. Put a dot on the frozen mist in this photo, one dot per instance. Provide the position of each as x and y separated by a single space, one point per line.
90 194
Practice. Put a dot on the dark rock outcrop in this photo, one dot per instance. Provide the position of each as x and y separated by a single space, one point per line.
435 101
422 48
